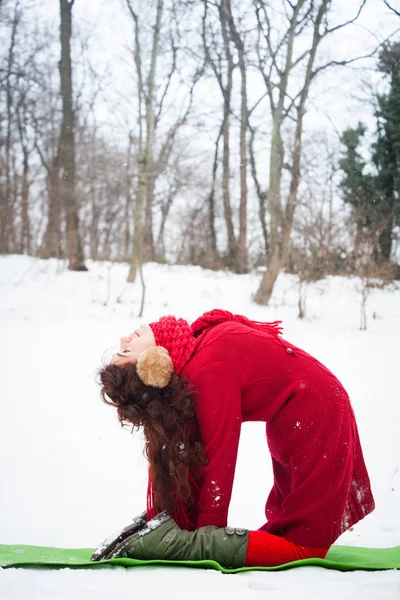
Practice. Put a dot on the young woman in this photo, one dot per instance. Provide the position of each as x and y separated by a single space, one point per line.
191 387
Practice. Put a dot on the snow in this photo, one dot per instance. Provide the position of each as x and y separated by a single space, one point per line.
70 476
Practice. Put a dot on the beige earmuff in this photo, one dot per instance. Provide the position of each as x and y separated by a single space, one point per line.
154 367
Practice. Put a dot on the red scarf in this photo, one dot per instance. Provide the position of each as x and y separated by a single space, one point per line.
179 338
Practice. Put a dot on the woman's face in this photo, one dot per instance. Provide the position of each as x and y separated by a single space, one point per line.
134 344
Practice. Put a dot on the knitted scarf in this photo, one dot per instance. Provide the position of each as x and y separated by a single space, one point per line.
179 338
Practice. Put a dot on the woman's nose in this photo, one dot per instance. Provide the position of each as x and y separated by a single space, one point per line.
123 342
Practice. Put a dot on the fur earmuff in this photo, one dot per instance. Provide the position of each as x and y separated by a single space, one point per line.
154 367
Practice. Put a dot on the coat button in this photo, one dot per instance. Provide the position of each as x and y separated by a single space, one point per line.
229 530
240 531
289 350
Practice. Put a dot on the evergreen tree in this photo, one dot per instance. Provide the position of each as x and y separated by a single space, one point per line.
386 150
375 196
359 187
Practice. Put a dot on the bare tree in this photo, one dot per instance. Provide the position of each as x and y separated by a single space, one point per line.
316 243
169 153
278 63
222 64
211 201
261 193
370 274
52 239
128 196
159 164
67 143
6 191
239 45
23 94
146 93
25 236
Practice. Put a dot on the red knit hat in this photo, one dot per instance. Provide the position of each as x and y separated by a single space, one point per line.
176 336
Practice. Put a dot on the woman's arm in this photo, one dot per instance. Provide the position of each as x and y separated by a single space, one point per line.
219 414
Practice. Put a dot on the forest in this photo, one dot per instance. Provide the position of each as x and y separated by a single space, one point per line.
251 135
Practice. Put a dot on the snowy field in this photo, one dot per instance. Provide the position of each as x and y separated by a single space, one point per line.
70 476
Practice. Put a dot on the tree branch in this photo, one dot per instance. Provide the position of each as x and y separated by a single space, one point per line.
167 146
332 29
169 78
266 78
251 110
396 12
261 194
342 63
300 58
267 37
209 59
137 56
292 103
41 156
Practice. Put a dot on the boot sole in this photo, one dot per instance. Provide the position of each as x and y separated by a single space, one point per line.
109 544
150 526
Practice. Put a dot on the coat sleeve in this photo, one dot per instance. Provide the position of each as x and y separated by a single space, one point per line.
219 414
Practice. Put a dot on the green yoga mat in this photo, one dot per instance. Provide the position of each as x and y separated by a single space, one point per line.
341 558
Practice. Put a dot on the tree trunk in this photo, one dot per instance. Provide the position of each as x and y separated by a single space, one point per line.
128 199
25 243
160 245
261 194
280 249
385 242
52 243
226 188
94 223
51 246
274 261
68 195
146 160
127 229
25 225
241 265
282 221
232 244
242 246
148 238
211 202
6 221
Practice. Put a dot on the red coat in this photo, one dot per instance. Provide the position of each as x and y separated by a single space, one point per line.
321 486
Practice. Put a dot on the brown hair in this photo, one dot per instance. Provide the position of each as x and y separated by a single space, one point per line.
173 447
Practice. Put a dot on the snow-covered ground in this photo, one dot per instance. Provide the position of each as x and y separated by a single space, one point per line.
70 476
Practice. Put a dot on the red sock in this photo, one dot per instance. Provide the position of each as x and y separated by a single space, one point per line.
267 550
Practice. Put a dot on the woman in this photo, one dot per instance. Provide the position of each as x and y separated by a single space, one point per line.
191 388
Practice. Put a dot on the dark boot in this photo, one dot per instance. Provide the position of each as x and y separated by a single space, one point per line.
161 538
113 540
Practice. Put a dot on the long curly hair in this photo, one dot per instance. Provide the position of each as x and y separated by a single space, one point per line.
168 418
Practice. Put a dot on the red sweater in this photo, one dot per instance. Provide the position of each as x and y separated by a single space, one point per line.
321 486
